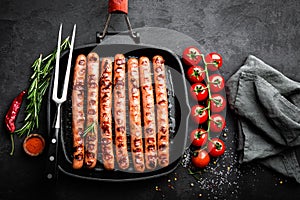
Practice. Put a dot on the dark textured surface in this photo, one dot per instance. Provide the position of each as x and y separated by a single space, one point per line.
266 29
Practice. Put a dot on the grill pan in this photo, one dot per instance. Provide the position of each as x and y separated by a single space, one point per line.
179 110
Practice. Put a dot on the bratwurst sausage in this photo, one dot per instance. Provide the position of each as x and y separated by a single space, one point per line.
78 114
106 114
136 133
91 139
161 110
148 113
120 111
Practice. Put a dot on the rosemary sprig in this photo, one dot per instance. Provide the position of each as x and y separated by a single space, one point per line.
90 128
39 82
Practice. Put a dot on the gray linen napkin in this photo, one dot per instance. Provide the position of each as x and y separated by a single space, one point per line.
267 104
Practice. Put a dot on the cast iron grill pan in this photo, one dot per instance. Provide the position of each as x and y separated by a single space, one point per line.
178 112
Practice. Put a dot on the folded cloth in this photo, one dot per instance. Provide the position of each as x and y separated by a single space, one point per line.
267 104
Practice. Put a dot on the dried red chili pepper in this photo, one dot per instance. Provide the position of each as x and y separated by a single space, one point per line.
13 111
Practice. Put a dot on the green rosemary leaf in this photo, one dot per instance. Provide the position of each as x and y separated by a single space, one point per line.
90 128
31 88
33 75
27 117
47 58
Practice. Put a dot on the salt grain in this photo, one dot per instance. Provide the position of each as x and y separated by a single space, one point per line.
219 177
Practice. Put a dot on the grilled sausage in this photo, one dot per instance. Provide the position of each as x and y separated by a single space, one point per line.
120 111
91 139
148 113
78 116
161 110
106 114
136 134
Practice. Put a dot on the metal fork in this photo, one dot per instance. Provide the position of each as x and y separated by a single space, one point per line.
51 171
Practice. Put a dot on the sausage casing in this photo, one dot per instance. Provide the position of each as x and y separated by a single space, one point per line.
161 110
91 138
78 114
120 111
106 114
148 113
136 133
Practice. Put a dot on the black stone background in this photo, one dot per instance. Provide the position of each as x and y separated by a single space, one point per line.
235 29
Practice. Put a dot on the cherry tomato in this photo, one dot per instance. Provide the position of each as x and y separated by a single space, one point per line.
199 137
216 147
214 58
196 74
199 91
191 56
200 158
199 114
217 83
217 123
217 103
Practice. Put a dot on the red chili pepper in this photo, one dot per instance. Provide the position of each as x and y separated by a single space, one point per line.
13 111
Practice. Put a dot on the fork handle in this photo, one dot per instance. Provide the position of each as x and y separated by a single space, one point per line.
51 172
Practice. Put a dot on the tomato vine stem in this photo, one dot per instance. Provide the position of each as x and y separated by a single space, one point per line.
209 93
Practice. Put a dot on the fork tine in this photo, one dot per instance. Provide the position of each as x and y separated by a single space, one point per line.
55 85
67 76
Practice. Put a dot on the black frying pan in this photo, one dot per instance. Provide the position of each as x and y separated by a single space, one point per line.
178 112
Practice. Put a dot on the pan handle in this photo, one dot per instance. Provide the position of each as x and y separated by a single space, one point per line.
117 7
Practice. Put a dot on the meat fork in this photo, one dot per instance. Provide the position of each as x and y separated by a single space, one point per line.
51 171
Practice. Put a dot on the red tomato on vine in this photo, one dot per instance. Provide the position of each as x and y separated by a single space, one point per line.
216 83
200 158
217 123
217 103
199 114
216 147
198 137
191 56
195 74
199 91
214 61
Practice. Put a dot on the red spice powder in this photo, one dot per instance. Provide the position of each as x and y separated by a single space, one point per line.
34 145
